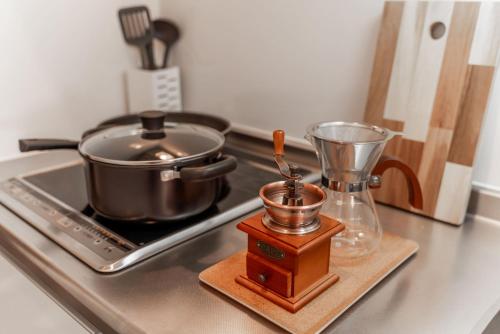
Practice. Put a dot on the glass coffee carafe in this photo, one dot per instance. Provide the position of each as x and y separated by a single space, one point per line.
351 163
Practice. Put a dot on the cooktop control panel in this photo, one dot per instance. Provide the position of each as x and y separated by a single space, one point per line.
79 234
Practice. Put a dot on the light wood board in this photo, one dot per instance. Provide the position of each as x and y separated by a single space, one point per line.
357 277
436 92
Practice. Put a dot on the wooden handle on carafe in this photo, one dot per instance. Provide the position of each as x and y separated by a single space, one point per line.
414 189
279 142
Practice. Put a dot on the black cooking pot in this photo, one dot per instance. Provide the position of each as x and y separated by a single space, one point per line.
154 171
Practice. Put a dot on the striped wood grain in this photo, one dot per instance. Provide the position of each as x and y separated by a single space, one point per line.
405 60
427 70
454 66
453 193
430 173
447 103
442 97
384 58
470 118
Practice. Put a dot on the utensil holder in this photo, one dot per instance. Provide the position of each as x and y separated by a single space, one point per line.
154 90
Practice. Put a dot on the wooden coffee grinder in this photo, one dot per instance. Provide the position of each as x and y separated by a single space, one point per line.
288 255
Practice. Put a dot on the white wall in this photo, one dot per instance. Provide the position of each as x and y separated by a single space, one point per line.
280 63
62 67
288 63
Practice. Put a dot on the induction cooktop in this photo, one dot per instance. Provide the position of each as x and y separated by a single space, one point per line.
54 201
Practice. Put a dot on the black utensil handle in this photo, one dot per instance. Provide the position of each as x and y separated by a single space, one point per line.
150 55
164 64
26 145
144 58
220 168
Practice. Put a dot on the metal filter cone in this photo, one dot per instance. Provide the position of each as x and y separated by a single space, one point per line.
348 152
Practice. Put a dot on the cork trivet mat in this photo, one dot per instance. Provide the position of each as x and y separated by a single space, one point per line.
357 277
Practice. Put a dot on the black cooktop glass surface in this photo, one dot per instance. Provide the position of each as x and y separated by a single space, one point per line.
67 184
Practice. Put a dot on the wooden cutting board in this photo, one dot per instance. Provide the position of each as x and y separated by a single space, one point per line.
357 277
431 78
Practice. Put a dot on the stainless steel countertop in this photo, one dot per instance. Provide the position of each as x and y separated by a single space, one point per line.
22 300
450 286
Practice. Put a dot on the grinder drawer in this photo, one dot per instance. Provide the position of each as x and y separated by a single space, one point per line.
269 275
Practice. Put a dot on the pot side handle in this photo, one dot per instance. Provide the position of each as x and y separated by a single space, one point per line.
26 145
414 189
212 171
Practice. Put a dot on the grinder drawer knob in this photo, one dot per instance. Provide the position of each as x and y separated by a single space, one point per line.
262 278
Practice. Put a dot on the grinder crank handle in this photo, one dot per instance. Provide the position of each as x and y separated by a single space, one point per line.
279 153
414 190
279 142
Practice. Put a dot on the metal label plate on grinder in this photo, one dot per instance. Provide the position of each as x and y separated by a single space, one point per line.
270 251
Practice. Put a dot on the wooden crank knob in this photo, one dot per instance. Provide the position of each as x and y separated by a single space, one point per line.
279 142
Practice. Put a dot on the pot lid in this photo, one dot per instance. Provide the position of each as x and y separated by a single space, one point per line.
153 142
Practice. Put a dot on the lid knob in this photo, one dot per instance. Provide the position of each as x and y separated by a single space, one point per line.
152 119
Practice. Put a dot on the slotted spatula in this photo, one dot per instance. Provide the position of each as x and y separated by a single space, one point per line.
138 31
